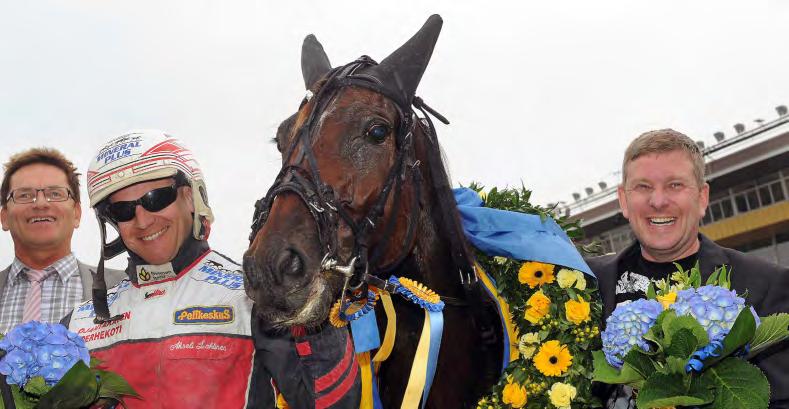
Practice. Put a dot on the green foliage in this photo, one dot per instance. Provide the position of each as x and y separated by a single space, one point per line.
683 344
112 385
661 390
36 386
741 333
737 385
773 329
76 389
80 387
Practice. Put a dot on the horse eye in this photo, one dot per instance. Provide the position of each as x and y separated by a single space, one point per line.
377 133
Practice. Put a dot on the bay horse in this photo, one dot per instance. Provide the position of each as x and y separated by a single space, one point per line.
363 185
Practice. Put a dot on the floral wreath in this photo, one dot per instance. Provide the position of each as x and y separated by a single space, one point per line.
555 314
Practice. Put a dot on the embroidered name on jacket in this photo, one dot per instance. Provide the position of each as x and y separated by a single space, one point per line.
215 314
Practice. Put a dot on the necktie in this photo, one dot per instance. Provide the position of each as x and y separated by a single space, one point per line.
32 310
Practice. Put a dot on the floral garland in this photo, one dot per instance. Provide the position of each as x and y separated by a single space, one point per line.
556 312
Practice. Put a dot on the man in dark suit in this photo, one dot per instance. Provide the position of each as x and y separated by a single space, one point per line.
40 207
663 196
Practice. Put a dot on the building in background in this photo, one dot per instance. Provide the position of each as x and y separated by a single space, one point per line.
749 195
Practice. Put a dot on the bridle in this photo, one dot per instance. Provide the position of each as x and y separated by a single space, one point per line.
321 201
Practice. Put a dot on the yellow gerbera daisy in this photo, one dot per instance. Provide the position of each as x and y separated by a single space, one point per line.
553 358
533 273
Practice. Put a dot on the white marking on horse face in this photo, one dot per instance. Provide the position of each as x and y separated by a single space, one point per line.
325 114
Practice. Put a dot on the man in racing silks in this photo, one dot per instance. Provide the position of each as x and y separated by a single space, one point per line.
181 329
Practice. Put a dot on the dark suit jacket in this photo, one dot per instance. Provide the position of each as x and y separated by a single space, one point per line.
767 288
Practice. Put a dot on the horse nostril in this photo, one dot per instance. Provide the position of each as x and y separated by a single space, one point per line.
289 263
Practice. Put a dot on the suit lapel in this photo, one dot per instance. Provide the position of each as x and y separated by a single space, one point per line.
4 278
87 281
711 257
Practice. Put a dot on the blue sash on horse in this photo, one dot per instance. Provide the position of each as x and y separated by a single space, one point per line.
516 235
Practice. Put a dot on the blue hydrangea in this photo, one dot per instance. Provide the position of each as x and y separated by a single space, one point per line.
40 349
626 327
714 307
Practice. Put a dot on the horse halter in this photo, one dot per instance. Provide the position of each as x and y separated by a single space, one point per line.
320 198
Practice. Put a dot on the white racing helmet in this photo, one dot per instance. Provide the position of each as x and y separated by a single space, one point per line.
139 156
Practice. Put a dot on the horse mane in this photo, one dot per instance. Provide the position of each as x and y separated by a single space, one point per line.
449 218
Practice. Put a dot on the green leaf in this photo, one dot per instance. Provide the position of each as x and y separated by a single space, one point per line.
738 385
656 333
76 389
21 399
112 385
571 292
640 362
672 325
605 373
37 386
683 344
713 278
651 291
661 390
740 334
695 276
675 365
773 329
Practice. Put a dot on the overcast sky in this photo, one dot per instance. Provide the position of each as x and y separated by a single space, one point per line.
548 93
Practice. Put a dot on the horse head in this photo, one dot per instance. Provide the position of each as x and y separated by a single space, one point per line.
345 201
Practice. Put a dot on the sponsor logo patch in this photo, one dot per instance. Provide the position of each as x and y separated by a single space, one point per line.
151 274
105 329
118 149
154 293
86 310
215 273
213 314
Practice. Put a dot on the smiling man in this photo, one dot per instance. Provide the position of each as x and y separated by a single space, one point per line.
40 207
663 196
181 328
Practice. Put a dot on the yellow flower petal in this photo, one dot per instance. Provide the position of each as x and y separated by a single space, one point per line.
577 311
514 395
553 359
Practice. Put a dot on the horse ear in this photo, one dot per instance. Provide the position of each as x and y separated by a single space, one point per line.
314 62
402 70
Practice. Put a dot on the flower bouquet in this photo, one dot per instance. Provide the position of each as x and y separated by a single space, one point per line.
688 345
554 313
46 366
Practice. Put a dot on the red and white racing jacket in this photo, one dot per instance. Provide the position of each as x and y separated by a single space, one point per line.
184 339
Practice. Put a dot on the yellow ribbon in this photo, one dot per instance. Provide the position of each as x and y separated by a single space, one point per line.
505 311
367 380
391 328
417 379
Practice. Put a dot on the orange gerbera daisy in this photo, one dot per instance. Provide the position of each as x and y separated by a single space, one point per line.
553 358
533 273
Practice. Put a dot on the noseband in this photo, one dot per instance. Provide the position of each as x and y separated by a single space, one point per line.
320 199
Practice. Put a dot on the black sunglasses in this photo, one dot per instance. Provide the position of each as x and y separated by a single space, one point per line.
153 201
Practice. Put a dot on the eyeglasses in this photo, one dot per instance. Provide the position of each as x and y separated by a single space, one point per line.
153 201
25 195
